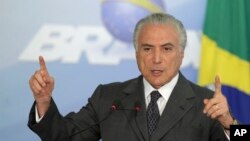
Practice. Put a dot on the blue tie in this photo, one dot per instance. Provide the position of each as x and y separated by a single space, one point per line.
153 114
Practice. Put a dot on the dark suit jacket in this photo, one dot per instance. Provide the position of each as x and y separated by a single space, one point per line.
181 120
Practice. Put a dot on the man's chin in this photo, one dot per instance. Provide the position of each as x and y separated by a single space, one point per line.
157 85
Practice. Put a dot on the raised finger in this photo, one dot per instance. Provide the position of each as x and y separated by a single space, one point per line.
42 63
217 85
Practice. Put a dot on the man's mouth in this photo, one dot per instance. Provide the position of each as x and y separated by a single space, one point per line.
156 72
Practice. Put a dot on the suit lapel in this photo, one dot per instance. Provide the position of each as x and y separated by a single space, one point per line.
179 103
135 92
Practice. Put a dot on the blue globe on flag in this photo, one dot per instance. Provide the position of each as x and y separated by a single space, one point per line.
121 16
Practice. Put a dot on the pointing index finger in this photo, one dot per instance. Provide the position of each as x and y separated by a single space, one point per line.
42 63
217 85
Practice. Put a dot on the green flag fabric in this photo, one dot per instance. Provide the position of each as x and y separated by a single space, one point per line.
225 52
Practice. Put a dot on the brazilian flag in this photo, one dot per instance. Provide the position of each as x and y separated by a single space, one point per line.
225 52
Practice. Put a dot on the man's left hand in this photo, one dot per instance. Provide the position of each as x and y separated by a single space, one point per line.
217 107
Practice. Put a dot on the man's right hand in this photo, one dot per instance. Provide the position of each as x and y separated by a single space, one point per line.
42 85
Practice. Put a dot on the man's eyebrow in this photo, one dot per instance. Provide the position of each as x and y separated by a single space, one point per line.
167 44
163 45
146 45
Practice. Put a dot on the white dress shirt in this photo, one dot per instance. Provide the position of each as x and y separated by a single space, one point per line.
165 92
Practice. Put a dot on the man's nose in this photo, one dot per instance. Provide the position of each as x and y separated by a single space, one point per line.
157 56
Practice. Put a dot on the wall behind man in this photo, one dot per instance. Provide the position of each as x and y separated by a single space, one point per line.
81 47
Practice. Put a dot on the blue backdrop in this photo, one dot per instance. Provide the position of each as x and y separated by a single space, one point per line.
84 44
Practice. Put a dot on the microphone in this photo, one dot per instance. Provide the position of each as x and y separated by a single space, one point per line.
137 106
115 106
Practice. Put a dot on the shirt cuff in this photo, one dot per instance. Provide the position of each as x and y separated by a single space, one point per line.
228 137
38 119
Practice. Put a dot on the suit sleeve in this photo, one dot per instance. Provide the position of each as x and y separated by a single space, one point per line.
55 127
217 132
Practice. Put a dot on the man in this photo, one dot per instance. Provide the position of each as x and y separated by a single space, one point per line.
168 106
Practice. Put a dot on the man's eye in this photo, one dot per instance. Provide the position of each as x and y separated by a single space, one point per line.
146 49
167 48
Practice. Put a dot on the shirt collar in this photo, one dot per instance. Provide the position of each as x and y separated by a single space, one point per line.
165 90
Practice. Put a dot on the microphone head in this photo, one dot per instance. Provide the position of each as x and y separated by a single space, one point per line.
116 104
137 106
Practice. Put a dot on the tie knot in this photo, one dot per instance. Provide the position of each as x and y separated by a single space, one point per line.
155 95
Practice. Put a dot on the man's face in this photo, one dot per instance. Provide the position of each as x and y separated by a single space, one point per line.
158 53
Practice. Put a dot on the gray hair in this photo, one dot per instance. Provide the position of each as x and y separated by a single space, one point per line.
161 18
